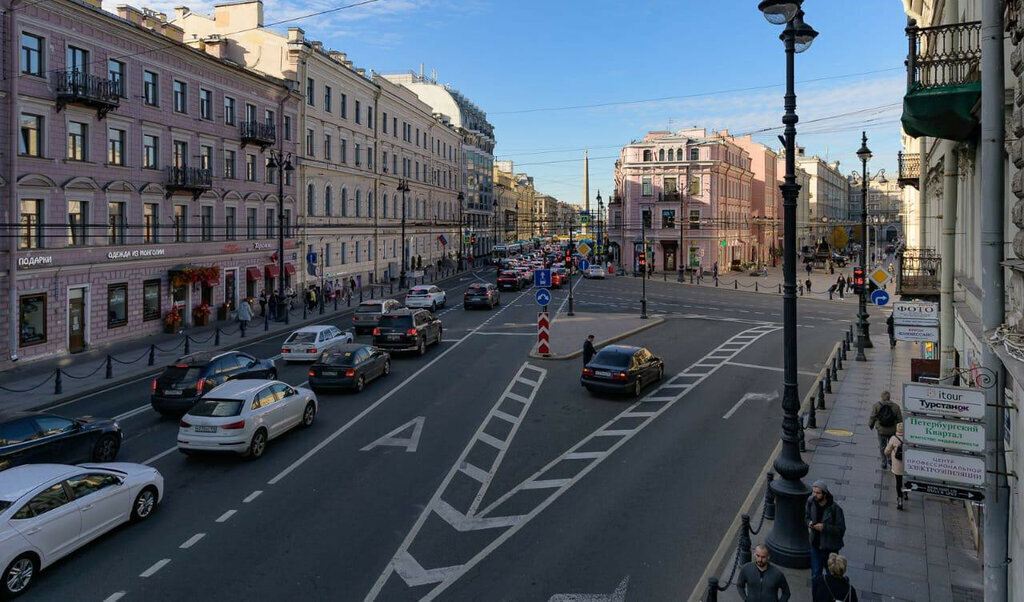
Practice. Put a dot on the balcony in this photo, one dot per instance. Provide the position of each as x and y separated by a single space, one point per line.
943 80
909 169
188 179
919 273
76 87
260 134
669 197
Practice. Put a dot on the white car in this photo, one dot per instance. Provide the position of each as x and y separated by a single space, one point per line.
594 271
242 415
309 342
48 511
425 295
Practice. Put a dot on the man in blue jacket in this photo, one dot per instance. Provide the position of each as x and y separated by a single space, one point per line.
826 525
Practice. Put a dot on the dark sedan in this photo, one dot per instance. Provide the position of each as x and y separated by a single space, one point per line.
182 384
348 366
481 295
622 369
42 438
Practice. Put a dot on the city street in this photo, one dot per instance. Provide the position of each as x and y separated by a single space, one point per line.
472 472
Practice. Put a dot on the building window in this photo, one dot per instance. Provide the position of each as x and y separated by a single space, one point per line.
671 154
77 60
695 219
150 222
661 155
205 104
251 227
179 156
384 122
31 141
32 319
668 218
310 199
115 146
78 215
150 88
229 223
359 209
115 223
287 226
180 97
694 154
250 113
328 201
344 202
271 227
309 142
647 187
117 305
647 155
78 136
327 98
229 164
287 127
310 91
327 147
206 157
116 75
180 223
328 251
31 220
229 110
344 151
394 127
206 223
369 157
344 106
250 168
31 54
369 117
344 253
150 300
150 151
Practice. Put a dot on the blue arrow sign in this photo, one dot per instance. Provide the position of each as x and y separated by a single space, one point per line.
543 296
879 297
542 279
584 265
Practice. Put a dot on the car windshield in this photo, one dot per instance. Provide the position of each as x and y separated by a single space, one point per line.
396 321
217 407
302 337
613 357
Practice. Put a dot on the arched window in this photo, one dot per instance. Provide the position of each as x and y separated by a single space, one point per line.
344 202
311 200
384 206
647 155
671 154
679 154
328 201
661 155
359 201
369 204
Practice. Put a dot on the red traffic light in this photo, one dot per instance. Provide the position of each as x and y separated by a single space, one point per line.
858 276
641 258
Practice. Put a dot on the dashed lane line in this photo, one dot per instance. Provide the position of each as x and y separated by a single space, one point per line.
159 564
114 597
252 496
191 541
224 517
160 455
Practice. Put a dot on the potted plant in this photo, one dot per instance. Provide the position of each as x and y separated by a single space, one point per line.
172 321
201 315
224 311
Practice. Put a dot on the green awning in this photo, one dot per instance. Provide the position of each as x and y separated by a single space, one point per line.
943 112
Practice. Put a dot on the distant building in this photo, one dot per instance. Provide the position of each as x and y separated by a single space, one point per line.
828 197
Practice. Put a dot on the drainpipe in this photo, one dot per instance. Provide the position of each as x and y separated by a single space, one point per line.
376 178
922 197
993 212
12 184
948 251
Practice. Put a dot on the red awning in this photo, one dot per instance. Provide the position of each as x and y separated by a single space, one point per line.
289 269
272 271
252 274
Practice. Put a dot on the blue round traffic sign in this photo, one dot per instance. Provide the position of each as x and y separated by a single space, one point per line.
584 265
543 296
879 297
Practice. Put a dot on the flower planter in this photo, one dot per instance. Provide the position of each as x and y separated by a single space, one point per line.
223 312
172 328
200 320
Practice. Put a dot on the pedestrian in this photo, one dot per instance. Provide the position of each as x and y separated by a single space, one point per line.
826 524
831 267
841 285
885 415
807 283
834 586
760 580
714 271
274 303
809 268
263 303
244 314
352 284
894 449
890 326
588 349
849 282
312 298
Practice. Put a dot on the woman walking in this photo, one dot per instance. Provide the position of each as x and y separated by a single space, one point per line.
894 449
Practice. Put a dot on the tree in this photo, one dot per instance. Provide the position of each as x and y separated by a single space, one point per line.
839 238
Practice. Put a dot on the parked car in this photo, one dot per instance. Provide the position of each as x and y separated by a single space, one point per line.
425 295
622 369
509 280
594 271
41 437
308 342
407 330
48 511
368 313
242 416
839 259
348 367
183 383
483 294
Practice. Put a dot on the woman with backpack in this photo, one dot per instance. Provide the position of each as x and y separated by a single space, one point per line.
895 452
885 415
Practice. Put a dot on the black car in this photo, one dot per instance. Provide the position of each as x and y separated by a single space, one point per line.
622 369
348 366
477 295
42 438
182 384
407 330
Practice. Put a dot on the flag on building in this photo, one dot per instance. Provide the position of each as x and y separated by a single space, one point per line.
441 238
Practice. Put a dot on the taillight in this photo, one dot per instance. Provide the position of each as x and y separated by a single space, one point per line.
154 385
350 373
199 386
313 350
183 424
376 331
353 318
311 373
411 332
284 350
620 376
588 372
234 425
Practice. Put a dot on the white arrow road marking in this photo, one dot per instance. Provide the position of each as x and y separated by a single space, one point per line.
619 595
409 443
752 397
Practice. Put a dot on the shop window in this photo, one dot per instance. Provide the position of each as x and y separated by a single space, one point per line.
117 305
32 319
150 300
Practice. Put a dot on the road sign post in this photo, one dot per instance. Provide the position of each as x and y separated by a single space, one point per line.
543 336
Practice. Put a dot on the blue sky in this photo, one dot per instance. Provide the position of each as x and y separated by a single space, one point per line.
653 64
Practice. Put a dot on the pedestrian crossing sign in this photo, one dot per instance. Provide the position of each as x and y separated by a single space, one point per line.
880 276
584 219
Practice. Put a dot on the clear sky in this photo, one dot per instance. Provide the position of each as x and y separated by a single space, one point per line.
556 77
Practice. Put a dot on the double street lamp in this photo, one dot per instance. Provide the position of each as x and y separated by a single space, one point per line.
282 162
863 339
788 538
403 187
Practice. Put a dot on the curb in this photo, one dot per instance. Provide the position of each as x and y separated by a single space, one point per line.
654 321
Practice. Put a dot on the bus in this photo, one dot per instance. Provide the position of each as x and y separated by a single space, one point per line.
504 251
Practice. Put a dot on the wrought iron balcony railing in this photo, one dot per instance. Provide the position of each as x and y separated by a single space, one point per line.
77 87
919 273
190 179
671 197
909 169
944 55
258 133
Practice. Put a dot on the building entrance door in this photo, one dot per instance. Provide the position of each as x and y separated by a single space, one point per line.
76 320
670 260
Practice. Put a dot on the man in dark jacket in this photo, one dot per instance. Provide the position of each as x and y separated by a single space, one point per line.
885 415
890 327
588 349
826 526
760 581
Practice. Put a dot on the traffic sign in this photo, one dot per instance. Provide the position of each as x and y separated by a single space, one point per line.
584 219
543 297
954 468
880 276
466 239
311 257
879 297
583 248
542 279
944 490
543 338
584 265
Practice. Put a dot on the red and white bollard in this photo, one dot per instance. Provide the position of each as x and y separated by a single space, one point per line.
543 335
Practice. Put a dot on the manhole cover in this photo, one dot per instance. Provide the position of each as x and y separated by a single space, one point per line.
825 443
839 432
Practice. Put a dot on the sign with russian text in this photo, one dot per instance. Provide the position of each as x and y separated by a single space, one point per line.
915 313
949 434
947 402
941 466
902 332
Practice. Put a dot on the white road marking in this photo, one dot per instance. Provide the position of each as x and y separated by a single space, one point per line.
410 443
191 541
619 595
252 496
772 368
224 517
753 397
509 334
131 413
161 455
159 564
114 597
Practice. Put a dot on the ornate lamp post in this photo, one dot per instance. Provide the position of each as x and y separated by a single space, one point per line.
403 187
462 252
788 538
600 231
282 162
863 339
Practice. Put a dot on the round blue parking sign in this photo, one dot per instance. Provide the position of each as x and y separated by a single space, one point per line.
879 297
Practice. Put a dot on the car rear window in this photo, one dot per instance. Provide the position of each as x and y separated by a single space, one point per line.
302 337
418 292
396 321
618 359
182 373
478 289
339 358
509 274
368 309
217 407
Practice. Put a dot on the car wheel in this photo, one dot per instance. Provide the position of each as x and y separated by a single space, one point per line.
661 372
144 505
309 414
360 384
433 306
19 574
258 445
106 449
422 348
387 367
638 386
465 306
272 375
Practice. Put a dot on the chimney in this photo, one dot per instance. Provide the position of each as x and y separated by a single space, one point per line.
180 12
361 72
216 46
337 56
239 15
296 34
130 14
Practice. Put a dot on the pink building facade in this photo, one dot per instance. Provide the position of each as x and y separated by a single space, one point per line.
133 164
765 201
688 194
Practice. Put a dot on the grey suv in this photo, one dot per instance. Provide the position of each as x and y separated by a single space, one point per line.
368 313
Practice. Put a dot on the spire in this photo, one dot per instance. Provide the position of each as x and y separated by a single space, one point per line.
586 183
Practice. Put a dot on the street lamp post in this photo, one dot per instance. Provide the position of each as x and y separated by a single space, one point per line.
403 187
282 162
462 250
599 251
863 338
572 248
643 268
788 538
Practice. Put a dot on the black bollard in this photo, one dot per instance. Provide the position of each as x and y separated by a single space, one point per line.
712 595
321 306
152 354
110 368
812 416
780 288
838 364
755 287
391 289
843 350
821 400
828 380
835 372
187 350
58 384
736 285
241 329
744 543
348 300
769 497
305 308
335 302
372 289
216 337
823 388
851 333
360 294
716 281
664 276
691 277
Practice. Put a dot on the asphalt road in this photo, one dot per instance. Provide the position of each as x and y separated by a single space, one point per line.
521 486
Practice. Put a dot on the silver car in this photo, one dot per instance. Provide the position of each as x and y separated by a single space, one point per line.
369 312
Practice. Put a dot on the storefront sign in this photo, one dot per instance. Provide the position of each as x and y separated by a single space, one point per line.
135 253
35 261
915 313
939 466
903 332
262 246
950 434
947 402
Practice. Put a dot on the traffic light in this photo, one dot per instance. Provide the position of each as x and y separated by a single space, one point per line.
641 259
472 239
568 254
858 279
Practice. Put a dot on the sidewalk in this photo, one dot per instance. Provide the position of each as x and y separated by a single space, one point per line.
569 332
32 385
925 552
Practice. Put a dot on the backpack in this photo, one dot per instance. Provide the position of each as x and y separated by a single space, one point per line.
886 415
899 450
